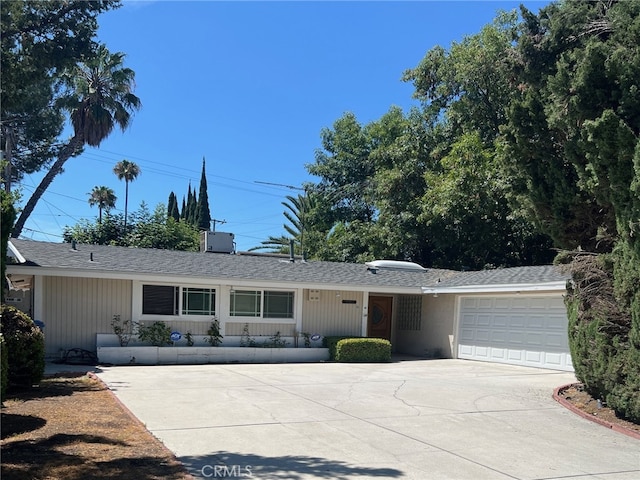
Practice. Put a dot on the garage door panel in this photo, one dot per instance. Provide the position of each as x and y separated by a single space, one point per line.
516 338
518 320
536 322
482 352
556 322
515 355
502 304
498 354
499 337
555 341
468 319
483 336
521 330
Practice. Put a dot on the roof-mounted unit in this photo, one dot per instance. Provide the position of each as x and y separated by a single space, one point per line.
217 242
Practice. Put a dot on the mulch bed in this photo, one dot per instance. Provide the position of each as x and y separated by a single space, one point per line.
576 398
73 428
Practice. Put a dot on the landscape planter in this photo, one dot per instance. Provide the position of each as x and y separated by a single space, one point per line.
110 352
147 355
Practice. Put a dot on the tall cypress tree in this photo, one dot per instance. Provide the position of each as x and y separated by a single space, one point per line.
193 209
183 212
188 216
203 219
172 207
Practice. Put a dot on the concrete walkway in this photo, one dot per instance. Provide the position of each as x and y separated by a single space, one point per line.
412 419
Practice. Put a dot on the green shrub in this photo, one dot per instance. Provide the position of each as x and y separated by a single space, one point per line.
605 359
331 343
123 329
4 368
24 343
246 340
275 341
363 350
158 334
214 338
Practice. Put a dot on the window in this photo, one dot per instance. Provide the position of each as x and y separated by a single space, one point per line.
172 300
245 303
159 300
198 301
256 303
278 304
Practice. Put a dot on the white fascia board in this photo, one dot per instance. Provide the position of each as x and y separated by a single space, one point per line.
13 251
506 288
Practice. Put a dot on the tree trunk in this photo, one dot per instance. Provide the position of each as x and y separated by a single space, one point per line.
8 157
126 204
73 148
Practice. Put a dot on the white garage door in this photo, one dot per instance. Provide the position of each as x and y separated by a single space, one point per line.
519 330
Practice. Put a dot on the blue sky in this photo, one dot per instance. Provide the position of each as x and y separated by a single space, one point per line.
248 86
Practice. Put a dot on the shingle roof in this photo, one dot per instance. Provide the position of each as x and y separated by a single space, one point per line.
506 276
138 261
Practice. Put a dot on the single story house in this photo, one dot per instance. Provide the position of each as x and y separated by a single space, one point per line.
513 315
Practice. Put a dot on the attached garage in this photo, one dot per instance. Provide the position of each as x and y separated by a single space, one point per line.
528 330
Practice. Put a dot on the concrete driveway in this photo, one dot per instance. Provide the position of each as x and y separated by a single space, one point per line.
412 419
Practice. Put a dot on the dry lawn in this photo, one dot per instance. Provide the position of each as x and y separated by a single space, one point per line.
73 428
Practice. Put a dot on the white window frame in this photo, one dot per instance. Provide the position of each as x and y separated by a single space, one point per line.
138 302
261 318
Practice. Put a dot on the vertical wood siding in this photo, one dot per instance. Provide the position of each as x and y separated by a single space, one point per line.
330 316
184 326
75 309
260 329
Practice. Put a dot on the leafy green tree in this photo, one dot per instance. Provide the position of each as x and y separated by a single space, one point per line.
107 232
127 171
344 168
156 230
104 198
98 97
430 192
39 41
466 204
145 230
203 218
572 142
466 85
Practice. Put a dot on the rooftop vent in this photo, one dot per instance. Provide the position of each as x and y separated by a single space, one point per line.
217 242
395 265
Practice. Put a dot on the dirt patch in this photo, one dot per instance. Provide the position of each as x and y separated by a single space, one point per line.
72 427
576 396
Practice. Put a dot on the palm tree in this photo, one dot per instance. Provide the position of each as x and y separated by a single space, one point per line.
298 212
98 98
104 198
128 171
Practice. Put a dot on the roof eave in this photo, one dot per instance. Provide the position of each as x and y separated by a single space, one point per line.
13 251
502 288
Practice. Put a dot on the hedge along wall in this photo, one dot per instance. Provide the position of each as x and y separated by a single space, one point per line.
363 350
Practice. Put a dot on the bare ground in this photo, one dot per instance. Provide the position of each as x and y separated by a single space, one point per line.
74 428
581 400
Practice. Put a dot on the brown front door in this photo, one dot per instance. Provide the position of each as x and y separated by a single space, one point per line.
379 320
